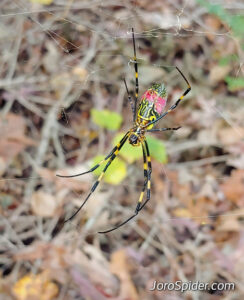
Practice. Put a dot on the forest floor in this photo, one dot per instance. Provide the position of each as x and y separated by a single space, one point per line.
63 103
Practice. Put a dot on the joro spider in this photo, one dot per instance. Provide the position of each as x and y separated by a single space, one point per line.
149 112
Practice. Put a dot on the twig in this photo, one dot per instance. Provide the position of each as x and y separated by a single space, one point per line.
198 163
48 127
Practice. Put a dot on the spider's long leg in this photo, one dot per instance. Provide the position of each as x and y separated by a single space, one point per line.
147 181
177 102
130 100
119 146
116 148
163 129
149 172
136 75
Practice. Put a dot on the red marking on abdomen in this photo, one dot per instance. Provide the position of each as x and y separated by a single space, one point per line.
152 96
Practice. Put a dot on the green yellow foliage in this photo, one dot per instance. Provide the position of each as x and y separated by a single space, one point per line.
106 119
115 173
234 83
117 170
235 22
131 154
34 286
44 2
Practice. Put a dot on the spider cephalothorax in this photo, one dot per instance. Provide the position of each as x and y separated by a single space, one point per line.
136 136
150 111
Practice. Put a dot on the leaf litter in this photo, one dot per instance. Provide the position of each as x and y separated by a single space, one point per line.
63 62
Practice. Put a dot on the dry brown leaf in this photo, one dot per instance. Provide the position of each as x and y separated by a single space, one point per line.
54 258
198 206
45 251
77 184
96 267
182 213
120 267
231 135
214 24
52 56
233 187
218 73
230 221
12 138
44 204
86 287
80 72
33 252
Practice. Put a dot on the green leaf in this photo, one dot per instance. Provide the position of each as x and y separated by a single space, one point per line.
128 152
157 149
226 60
131 154
115 173
44 2
236 22
215 9
106 119
234 83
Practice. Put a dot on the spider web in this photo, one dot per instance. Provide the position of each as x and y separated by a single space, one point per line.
87 41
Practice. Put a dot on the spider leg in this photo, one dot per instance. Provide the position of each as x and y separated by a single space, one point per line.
163 129
177 102
136 74
147 181
149 173
113 156
116 148
130 100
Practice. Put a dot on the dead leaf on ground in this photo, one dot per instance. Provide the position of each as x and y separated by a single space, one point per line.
80 72
121 267
182 213
197 206
12 138
96 267
53 257
218 73
233 187
231 221
214 24
44 204
87 289
232 135
77 184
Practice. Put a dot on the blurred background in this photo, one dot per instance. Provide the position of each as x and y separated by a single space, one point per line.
63 107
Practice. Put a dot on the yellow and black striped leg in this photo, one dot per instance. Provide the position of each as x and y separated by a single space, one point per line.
177 102
145 167
136 74
130 100
118 147
163 129
149 172
147 181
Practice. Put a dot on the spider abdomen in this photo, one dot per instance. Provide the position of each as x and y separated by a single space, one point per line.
152 104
